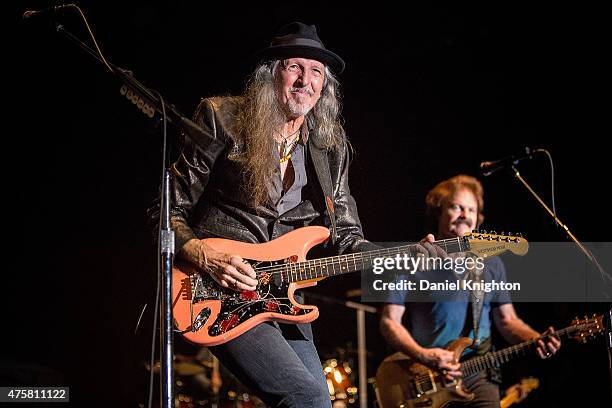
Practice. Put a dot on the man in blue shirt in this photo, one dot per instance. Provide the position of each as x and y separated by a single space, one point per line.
422 329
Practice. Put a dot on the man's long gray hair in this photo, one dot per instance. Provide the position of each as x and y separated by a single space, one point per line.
260 117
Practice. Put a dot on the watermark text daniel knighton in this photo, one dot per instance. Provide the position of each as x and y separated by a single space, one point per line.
447 285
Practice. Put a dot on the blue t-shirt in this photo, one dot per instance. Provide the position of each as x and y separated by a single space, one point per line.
433 322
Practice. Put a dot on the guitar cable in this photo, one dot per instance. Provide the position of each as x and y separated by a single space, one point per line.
159 266
552 178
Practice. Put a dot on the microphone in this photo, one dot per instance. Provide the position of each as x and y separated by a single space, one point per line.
489 167
43 12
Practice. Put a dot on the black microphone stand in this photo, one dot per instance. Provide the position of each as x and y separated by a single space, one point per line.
149 102
588 254
557 221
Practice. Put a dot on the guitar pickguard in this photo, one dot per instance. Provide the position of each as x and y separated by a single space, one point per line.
271 295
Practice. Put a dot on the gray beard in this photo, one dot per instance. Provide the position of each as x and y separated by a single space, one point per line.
298 109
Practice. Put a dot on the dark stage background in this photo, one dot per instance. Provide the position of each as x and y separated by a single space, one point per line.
429 92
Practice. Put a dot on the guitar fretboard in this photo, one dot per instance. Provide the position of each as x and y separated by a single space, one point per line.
341 264
497 358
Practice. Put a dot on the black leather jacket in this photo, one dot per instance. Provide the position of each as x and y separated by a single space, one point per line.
209 201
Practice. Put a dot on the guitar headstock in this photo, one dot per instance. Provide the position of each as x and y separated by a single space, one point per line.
587 328
518 392
486 244
529 383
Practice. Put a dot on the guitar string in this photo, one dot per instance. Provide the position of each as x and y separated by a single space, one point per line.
299 267
480 363
474 365
350 258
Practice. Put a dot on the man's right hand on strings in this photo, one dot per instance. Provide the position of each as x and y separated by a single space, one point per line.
229 271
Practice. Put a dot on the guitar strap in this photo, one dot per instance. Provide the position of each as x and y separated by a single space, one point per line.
321 165
476 303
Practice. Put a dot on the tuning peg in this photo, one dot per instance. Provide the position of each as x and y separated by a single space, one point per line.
493 233
519 234
502 233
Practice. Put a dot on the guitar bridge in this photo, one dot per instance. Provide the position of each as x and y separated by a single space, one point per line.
202 290
424 384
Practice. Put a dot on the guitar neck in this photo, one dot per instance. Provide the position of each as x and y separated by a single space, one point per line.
341 264
498 358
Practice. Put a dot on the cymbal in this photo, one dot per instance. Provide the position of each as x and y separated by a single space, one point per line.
188 369
180 368
340 351
197 359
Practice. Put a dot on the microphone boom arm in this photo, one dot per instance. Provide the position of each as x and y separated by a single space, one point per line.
151 101
564 227
145 98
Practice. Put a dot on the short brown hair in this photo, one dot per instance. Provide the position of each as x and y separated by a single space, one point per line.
444 190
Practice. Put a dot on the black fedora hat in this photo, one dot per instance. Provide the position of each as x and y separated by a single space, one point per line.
300 40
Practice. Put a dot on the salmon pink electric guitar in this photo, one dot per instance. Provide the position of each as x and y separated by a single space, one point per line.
208 314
